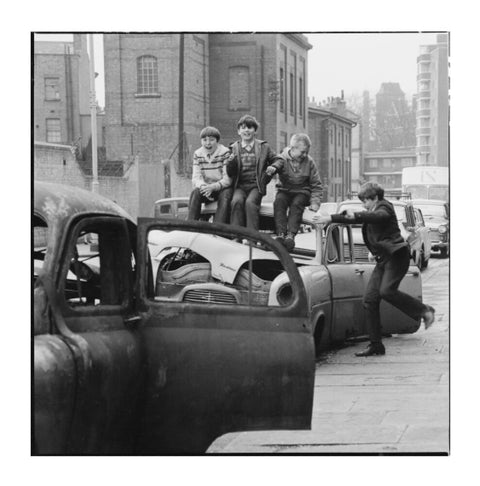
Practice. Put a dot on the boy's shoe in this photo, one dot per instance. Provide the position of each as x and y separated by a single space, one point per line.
429 316
289 241
374 349
280 238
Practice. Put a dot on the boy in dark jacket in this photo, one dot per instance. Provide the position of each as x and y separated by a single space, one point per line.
383 239
299 186
246 166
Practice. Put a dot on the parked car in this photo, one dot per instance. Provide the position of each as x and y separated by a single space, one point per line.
411 224
436 214
122 367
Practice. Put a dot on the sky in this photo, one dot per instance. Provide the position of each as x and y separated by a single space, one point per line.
353 62
356 62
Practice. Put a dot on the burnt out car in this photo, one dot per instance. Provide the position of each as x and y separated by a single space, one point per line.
212 268
121 366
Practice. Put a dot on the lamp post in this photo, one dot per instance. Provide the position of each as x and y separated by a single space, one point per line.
93 116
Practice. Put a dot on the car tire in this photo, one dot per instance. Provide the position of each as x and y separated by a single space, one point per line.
444 252
424 262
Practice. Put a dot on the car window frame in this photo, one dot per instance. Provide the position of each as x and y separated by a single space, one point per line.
70 242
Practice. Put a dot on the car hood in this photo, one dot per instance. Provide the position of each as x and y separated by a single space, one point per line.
226 256
434 223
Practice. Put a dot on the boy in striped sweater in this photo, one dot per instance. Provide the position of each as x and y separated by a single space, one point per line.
209 177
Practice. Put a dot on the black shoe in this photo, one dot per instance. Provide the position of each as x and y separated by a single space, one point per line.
280 238
289 241
373 350
429 316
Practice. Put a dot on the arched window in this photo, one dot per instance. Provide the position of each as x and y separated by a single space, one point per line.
147 75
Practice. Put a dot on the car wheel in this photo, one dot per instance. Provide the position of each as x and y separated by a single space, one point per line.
443 252
424 262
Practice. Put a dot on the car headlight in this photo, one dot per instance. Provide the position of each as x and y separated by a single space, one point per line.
284 294
442 229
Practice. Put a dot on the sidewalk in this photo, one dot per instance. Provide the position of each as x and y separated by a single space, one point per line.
397 403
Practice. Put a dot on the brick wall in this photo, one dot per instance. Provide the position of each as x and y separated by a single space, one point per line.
55 163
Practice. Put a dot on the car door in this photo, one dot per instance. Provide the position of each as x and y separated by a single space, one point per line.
215 363
423 231
91 301
348 279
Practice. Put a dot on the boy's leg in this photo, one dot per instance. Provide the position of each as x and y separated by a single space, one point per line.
371 303
252 208
224 197
297 206
195 204
280 206
238 207
395 269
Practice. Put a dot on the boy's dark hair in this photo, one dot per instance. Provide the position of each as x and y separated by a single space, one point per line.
249 121
369 190
210 132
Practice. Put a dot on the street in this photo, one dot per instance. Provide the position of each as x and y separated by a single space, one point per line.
397 403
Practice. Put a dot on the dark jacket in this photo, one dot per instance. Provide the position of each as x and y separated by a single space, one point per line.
298 178
379 229
265 156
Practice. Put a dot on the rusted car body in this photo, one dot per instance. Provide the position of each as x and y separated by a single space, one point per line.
119 369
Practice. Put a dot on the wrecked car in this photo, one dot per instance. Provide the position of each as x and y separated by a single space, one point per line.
124 362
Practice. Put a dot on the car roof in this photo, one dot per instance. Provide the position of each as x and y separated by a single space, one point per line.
435 202
58 202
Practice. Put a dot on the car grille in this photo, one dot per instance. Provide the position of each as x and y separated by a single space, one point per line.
209 296
434 235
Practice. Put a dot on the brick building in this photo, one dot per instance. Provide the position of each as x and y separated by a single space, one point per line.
331 135
385 168
61 109
162 89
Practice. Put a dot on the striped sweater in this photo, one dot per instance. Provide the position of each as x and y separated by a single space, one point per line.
208 168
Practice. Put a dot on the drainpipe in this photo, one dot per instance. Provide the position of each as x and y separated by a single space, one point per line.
181 66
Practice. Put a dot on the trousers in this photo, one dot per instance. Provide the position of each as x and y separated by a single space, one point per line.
223 207
295 204
383 284
246 208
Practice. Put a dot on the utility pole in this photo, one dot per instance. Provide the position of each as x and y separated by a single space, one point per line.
93 116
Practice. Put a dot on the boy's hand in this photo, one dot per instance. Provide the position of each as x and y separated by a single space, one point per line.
206 190
322 219
270 171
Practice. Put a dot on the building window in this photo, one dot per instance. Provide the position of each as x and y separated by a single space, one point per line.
331 135
147 75
239 88
339 138
300 97
387 163
373 163
52 90
346 139
292 94
53 130
282 87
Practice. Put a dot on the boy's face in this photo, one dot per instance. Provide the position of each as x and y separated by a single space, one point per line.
299 151
247 134
210 144
369 204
